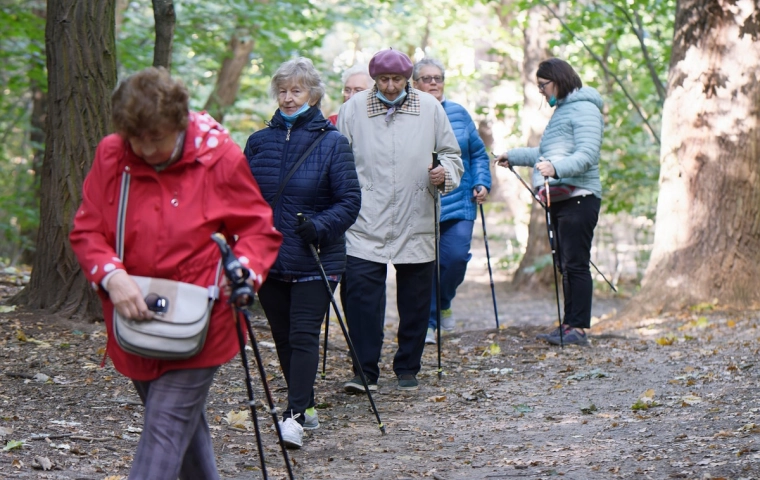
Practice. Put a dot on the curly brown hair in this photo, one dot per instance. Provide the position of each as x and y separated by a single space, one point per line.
149 101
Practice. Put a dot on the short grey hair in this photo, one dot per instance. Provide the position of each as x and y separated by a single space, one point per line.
358 69
427 61
299 71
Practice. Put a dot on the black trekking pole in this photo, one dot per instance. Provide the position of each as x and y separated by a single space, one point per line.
243 293
550 228
488 259
324 351
437 220
354 357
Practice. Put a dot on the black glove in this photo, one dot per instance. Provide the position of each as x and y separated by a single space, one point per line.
308 232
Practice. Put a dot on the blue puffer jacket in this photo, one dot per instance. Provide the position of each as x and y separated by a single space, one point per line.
458 204
325 188
572 141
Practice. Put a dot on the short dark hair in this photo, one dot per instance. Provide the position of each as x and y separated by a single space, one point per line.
562 74
148 101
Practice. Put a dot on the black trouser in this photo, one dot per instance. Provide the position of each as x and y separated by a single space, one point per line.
295 312
575 220
365 313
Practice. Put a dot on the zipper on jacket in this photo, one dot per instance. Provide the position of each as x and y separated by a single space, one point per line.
287 137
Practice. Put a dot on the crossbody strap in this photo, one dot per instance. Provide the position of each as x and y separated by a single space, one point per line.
295 167
213 290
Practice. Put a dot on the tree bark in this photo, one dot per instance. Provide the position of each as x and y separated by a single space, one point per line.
228 80
707 235
81 64
534 120
165 18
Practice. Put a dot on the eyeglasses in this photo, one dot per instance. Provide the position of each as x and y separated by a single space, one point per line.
429 79
542 86
156 303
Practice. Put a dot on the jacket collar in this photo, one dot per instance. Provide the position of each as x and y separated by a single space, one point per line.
411 106
311 119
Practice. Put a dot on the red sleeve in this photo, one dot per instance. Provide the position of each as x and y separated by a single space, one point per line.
248 216
93 235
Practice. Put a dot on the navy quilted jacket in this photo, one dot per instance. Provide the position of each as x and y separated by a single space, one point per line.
325 188
458 204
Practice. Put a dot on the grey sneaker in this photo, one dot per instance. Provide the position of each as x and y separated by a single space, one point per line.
545 336
310 419
570 336
408 382
292 433
447 320
355 385
430 337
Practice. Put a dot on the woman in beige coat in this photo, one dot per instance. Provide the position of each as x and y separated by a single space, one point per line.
393 130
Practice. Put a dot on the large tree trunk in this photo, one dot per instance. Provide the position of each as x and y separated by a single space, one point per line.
81 64
707 235
165 18
534 120
228 80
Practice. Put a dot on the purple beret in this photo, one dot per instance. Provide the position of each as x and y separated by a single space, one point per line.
390 62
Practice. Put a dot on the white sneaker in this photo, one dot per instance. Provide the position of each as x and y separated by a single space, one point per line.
292 433
447 320
430 337
310 422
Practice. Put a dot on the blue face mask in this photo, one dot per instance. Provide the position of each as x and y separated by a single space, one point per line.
292 118
552 101
398 100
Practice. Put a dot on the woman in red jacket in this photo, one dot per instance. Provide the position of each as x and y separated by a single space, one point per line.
188 181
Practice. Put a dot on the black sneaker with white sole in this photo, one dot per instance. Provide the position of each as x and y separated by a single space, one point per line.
355 385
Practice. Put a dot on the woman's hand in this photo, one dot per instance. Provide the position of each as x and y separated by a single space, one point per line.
437 175
127 297
503 161
479 194
546 168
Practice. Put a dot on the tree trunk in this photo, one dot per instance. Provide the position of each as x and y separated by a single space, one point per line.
165 18
707 235
534 120
81 64
228 80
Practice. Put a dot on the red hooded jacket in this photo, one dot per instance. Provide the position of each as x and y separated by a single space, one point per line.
170 218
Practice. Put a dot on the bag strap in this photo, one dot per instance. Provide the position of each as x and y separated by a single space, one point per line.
213 290
295 167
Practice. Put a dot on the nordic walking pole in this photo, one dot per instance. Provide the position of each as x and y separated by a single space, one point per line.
242 293
324 351
488 259
437 220
550 228
354 357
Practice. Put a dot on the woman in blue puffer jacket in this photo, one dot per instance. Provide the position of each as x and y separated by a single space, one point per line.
459 207
568 156
324 188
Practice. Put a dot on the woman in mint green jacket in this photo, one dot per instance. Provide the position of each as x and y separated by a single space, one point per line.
568 156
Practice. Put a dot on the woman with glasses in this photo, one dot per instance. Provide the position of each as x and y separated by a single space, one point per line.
458 208
305 169
188 180
568 159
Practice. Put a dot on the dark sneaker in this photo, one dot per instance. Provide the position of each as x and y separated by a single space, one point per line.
571 336
355 385
545 336
408 382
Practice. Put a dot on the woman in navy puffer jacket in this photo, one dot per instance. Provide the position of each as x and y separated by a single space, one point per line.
568 157
325 189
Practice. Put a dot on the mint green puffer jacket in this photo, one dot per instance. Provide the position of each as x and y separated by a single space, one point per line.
572 141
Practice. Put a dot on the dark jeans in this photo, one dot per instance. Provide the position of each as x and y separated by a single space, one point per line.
454 252
295 312
175 441
574 221
365 313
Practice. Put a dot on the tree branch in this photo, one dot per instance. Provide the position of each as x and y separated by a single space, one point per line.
606 70
163 13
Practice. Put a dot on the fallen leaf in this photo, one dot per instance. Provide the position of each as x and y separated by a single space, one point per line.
13 445
42 463
237 419
437 398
